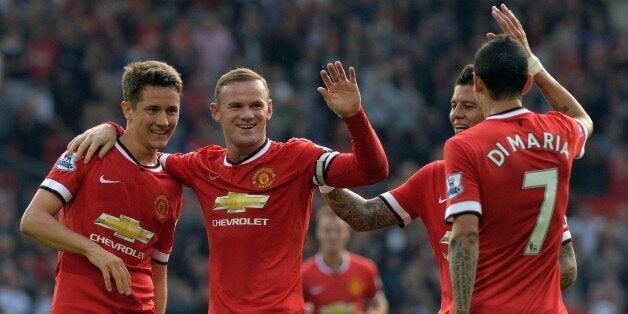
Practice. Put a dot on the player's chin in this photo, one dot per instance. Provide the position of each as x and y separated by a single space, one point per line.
160 142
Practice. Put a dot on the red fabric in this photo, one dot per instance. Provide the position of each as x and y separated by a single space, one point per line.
508 193
113 188
346 290
367 164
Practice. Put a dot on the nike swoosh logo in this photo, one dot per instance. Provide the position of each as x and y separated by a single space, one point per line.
440 200
212 178
103 180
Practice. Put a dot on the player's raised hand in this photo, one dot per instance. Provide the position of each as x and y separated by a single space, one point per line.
341 93
510 25
111 266
102 136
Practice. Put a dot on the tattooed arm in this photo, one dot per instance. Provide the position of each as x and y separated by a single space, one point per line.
360 214
568 266
463 255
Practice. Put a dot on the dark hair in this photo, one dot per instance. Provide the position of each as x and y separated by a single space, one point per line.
466 75
238 75
502 64
154 73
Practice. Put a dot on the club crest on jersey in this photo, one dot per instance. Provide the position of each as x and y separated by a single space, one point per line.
263 177
454 185
66 162
355 286
162 207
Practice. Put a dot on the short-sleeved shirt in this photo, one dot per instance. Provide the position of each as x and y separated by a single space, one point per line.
513 171
256 216
347 289
424 196
129 210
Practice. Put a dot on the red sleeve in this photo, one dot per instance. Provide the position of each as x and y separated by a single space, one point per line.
367 164
119 129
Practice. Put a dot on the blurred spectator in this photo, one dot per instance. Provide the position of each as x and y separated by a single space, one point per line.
59 69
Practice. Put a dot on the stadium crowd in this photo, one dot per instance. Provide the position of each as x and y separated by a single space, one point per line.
60 62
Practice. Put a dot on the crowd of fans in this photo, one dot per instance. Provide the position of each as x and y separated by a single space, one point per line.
61 61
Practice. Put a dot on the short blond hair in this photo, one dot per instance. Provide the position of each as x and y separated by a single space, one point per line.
238 75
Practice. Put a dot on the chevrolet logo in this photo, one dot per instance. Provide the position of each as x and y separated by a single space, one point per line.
238 202
125 227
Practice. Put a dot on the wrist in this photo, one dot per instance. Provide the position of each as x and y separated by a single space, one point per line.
534 65
119 129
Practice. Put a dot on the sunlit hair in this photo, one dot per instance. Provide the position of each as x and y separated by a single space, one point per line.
137 75
502 63
238 75
466 76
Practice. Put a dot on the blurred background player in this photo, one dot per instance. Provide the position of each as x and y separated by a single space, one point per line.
508 188
338 281
117 215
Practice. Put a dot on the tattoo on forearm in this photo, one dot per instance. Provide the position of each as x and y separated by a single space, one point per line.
462 263
360 214
552 101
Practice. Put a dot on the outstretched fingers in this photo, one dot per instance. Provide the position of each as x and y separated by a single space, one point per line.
341 71
352 76
326 79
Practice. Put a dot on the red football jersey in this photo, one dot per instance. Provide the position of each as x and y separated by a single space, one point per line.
256 216
129 210
424 196
346 290
513 171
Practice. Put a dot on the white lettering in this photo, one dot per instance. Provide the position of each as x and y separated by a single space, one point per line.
516 143
496 156
557 142
548 138
532 141
116 246
503 149
565 149
240 222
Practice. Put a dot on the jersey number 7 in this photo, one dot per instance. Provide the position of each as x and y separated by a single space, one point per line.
547 179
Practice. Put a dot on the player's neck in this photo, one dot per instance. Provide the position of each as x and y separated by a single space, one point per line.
496 107
143 155
333 259
236 154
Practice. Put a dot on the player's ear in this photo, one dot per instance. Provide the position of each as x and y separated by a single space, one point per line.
270 109
215 111
126 109
478 84
528 85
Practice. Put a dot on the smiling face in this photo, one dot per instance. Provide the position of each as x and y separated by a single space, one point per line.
153 119
242 109
465 111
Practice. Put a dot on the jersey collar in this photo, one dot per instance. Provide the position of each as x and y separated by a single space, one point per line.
127 155
255 155
509 113
344 266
